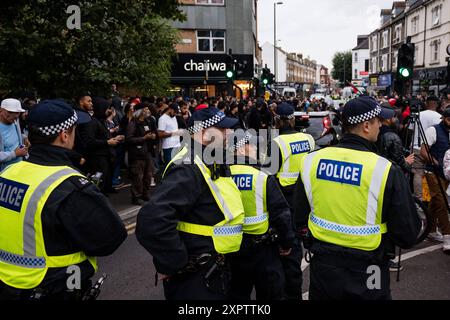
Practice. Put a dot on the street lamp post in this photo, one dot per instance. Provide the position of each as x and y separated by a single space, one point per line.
275 68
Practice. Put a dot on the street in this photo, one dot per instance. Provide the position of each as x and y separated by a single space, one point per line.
131 272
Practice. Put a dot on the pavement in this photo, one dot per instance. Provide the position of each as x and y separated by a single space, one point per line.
131 273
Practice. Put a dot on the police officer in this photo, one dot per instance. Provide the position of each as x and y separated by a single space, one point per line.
292 146
51 216
354 202
268 231
195 216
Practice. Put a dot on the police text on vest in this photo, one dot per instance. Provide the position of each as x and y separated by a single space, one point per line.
12 194
300 147
337 171
243 181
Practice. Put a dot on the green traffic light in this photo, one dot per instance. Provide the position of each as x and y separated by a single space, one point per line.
265 81
405 72
230 74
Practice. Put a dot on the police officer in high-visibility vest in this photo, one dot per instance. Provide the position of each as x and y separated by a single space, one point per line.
354 202
292 146
53 221
268 231
194 218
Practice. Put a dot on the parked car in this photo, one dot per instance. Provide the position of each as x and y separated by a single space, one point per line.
325 126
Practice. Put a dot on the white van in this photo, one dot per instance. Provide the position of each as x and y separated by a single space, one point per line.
289 92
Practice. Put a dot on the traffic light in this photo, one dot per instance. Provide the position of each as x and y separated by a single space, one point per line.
405 65
230 70
265 77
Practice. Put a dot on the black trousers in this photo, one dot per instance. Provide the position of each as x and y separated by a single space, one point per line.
339 278
292 265
259 267
193 286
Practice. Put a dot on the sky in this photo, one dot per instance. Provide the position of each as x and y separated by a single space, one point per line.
319 28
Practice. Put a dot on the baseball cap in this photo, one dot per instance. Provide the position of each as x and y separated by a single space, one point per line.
53 116
12 105
364 108
210 117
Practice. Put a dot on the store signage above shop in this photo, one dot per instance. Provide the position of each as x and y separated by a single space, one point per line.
210 66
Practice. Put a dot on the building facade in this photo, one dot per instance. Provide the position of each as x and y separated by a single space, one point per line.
426 23
293 69
212 29
360 62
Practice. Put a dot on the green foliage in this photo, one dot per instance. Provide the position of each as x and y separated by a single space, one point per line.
338 66
128 42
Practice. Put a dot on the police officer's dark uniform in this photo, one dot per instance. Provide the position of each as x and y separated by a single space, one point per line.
193 219
53 217
292 147
354 202
267 225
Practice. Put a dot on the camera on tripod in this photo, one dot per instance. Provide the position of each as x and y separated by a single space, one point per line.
416 105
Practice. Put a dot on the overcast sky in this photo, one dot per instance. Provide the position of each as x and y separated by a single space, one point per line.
319 28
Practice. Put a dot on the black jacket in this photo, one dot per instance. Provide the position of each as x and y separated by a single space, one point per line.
183 195
76 217
390 146
138 148
399 211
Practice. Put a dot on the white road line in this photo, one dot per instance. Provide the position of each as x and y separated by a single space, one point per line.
405 256
413 254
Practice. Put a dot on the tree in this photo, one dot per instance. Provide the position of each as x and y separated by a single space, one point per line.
126 42
338 66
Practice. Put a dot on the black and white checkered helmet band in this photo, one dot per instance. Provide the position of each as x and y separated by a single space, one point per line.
289 117
57 128
242 142
365 116
199 126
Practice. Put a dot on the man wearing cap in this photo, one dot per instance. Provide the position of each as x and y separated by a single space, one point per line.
292 146
438 140
12 148
354 202
195 216
169 132
268 231
53 221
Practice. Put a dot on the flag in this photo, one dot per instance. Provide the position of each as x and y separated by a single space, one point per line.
355 89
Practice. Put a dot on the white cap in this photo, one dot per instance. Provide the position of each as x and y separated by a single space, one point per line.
12 105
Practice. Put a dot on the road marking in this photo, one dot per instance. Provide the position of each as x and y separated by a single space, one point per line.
413 254
131 228
405 256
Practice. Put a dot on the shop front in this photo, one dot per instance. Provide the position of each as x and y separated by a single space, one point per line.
204 75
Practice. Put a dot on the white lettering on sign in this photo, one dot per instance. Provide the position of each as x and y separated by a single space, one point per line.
204 66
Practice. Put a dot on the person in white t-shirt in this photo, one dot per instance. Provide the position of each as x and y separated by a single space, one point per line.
428 118
168 131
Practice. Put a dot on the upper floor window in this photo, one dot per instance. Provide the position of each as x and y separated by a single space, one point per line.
397 33
385 42
211 40
435 46
436 16
356 56
212 2
415 25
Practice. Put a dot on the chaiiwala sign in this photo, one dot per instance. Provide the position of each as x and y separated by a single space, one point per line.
213 66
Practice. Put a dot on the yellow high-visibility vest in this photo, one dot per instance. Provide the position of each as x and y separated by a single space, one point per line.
252 185
345 190
293 148
227 234
24 190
